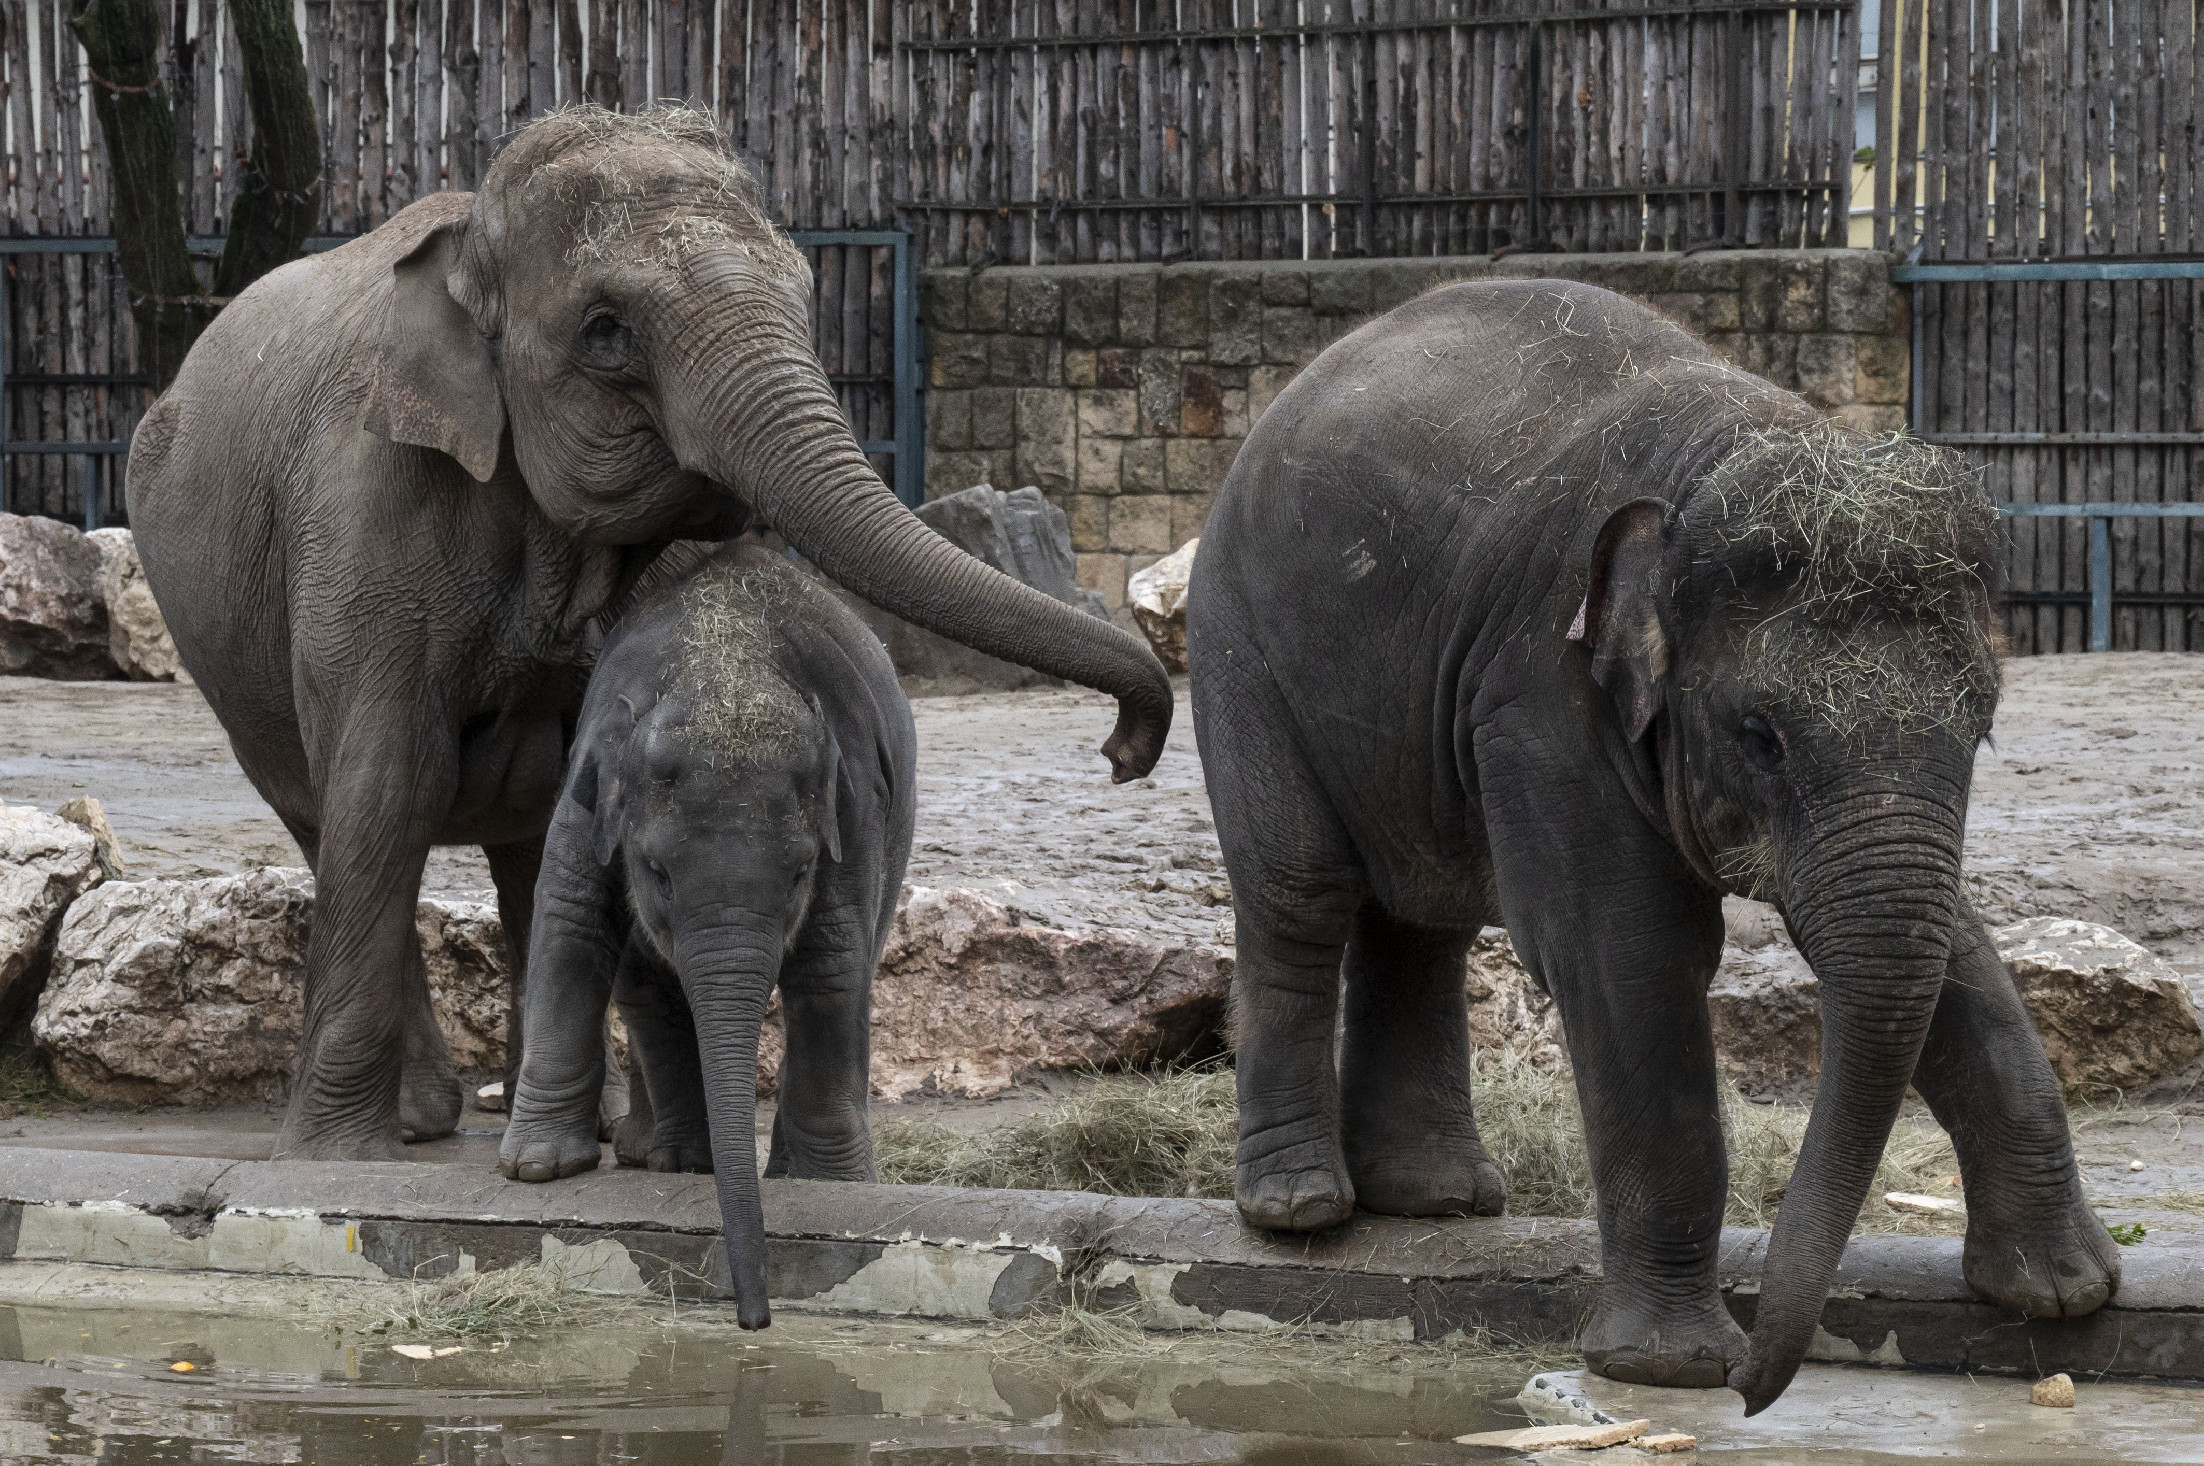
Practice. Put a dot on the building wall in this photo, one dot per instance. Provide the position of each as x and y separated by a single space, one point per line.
1123 391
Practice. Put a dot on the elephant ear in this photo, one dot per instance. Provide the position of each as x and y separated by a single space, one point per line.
435 382
830 797
1621 619
595 782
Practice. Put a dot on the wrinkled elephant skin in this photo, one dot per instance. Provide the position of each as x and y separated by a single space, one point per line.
1520 606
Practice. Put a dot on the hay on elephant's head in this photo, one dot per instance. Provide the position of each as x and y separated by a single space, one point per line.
1880 553
655 186
727 676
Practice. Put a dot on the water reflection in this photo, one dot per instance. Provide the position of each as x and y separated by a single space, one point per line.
98 1386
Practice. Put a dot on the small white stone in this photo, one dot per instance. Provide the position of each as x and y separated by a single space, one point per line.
2055 1391
2135 1165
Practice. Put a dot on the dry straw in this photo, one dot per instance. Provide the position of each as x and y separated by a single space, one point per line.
619 167
1881 547
1172 1133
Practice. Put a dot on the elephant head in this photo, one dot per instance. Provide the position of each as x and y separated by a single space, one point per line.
615 301
1803 656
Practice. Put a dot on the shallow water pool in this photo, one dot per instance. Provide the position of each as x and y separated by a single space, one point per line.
81 1386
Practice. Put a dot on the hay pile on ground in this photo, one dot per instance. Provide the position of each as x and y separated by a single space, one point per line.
1172 1133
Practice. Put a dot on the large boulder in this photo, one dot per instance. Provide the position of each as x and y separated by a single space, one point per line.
45 863
1158 598
187 991
1019 533
53 620
2111 1014
137 638
967 1000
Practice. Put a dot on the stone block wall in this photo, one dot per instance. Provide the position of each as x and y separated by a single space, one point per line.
1124 391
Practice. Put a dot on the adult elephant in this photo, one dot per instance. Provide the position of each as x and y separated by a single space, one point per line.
396 485
1520 605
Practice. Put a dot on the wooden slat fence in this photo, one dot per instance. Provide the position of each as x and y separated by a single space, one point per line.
1059 131
2059 130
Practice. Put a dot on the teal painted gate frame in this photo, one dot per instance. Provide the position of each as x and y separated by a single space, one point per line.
2100 514
908 446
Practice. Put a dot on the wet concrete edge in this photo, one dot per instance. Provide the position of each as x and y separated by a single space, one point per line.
949 1253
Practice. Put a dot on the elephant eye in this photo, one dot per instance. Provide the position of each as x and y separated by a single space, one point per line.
604 340
1761 744
659 877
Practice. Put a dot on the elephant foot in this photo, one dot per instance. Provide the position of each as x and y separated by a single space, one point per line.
631 1139
691 1159
1284 1198
429 1106
541 1144
1642 1343
2062 1266
1465 1185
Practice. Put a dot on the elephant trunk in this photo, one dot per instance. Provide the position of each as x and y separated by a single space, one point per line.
772 431
728 971
1871 897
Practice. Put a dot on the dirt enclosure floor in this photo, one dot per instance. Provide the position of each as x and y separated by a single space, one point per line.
2089 804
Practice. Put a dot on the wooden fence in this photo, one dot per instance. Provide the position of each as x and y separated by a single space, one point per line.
2059 130
1047 131
1036 131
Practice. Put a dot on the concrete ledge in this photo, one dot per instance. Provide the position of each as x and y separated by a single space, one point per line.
946 1253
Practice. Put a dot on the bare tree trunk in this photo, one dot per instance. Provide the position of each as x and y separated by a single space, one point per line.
122 40
279 195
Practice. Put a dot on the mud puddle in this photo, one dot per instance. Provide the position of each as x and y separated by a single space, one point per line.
83 1386
104 1385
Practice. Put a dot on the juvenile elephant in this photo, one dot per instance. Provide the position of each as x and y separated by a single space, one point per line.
396 487
1521 606
737 816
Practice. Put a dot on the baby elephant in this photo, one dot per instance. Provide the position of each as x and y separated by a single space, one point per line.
737 814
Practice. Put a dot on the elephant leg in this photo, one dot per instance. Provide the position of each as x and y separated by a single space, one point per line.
1411 1138
575 945
2033 1243
430 1096
662 1040
514 869
387 788
1296 884
819 1126
1626 939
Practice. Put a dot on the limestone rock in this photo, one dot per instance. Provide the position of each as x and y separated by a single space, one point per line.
187 991
45 863
2110 1013
1765 1005
967 1000
91 815
1158 598
137 637
53 622
2057 1392
1019 533
1507 1009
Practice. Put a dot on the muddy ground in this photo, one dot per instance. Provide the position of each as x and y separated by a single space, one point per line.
2087 805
